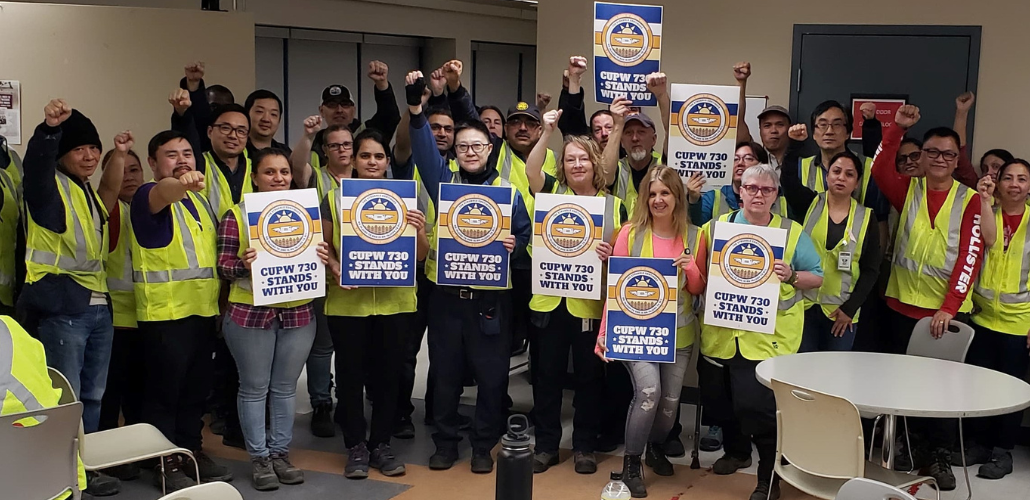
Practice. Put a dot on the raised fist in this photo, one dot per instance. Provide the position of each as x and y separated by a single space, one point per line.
965 101
180 101
868 110
577 66
194 71
907 116
542 100
312 125
452 72
437 82
193 181
657 84
551 120
56 112
985 186
378 71
620 109
741 71
798 132
415 90
123 142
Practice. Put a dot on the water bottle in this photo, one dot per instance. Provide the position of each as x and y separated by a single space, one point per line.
515 462
616 489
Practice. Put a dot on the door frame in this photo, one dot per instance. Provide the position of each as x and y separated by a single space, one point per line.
969 31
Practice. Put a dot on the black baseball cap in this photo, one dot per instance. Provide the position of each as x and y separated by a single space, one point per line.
774 109
643 119
336 93
523 109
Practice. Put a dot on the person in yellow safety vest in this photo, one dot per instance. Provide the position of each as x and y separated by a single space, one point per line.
661 228
715 203
269 343
474 324
10 162
558 325
731 394
25 383
637 134
65 290
366 324
123 396
1002 316
176 288
845 234
9 220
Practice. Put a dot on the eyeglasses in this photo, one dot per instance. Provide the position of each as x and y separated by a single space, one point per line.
340 146
227 130
744 158
824 126
477 147
914 156
519 121
933 154
754 190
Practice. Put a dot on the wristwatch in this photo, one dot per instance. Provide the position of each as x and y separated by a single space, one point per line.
793 279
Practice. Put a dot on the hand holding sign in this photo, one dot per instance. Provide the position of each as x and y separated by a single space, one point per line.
509 243
601 349
685 261
782 270
604 250
249 256
695 185
417 220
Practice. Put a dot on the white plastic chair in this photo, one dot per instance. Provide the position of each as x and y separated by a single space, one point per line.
209 491
861 488
821 437
124 445
40 461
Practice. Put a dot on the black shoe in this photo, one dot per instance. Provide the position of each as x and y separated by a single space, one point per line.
999 466
285 471
126 472
175 478
405 429
322 421
442 460
655 458
633 476
382 458
585 462
712 441
976 454
102 485
674 448
762 491
217 424
209 470
543 461
464 423
940 470
233 438
357 462
607 443
263 476
482 463
727 465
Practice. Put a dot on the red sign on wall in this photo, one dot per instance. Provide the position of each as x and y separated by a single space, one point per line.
885 111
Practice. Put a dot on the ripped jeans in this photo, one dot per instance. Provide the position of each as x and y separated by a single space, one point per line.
650 416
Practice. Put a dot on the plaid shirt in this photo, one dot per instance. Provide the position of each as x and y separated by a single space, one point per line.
231 268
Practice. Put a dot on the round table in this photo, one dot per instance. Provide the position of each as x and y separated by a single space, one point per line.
898 385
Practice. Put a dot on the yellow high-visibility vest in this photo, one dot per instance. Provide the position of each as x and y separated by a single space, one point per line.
9 214
624 187
837 285
814 177
216 186
119 272
721 206
1002 292
240 290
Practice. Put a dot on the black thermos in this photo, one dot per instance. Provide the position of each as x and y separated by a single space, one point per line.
515 462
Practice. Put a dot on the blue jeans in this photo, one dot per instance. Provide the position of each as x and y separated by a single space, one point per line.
269 361
818 333
79 346
320 361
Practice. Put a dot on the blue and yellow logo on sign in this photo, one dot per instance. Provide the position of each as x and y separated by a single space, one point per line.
285 228
704 119
746 260
378 216
627 39
568 230
642 293
474 220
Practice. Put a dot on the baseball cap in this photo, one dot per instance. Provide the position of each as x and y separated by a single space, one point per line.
336 93
523 109
642 118
774 109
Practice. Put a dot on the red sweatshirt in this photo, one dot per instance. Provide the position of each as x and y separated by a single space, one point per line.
970 254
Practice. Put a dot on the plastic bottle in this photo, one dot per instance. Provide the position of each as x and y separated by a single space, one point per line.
616 489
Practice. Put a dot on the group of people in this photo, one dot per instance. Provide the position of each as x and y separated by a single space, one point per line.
130 286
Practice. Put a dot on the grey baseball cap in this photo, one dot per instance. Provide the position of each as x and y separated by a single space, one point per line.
774 109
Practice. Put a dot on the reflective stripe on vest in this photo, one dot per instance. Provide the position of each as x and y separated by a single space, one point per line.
122 280
814 177
685 316
8 382
954 229
1022 293
81 262
9 215
853 238
217 190
194 271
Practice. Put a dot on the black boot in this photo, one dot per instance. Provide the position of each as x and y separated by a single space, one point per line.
633 476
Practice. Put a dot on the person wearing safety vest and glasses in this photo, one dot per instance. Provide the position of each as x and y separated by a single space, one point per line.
561 324
730 393
938 251
471 324
715 203
846 237
10 213
65 290
660 228
177 288
25 383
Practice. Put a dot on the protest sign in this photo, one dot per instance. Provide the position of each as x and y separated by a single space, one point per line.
743 291
627 47
641 319
566 231
378 244
285 228
473 223
703 132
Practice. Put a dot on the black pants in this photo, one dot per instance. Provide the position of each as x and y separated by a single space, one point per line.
521 294
373 347
616 394
179 372
555 333
420 321
473 332
125 380
744 408
1007 354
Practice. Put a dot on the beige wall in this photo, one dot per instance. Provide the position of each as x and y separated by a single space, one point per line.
118 64
702 41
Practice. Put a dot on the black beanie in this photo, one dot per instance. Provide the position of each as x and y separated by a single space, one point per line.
77 131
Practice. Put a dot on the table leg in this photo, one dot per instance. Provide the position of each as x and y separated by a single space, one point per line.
965 469
887 451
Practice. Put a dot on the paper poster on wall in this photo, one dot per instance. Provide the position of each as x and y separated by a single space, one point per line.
473 224
743 291
886 108
755 105
703 131
566 231
285 227
377 243
10 111
641 318
627 47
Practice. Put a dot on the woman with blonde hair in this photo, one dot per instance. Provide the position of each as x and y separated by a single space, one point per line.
662 230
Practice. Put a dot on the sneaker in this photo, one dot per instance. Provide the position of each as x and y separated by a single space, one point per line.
655 458
405 429
543 461
102 485
713 440
762 491
262 475
999 466
382 458
285 471
482 463
976 454
442 460
727 465
633 476
174 478
124 472
585 462
940 470
357 462
322 421
674 448
209 470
